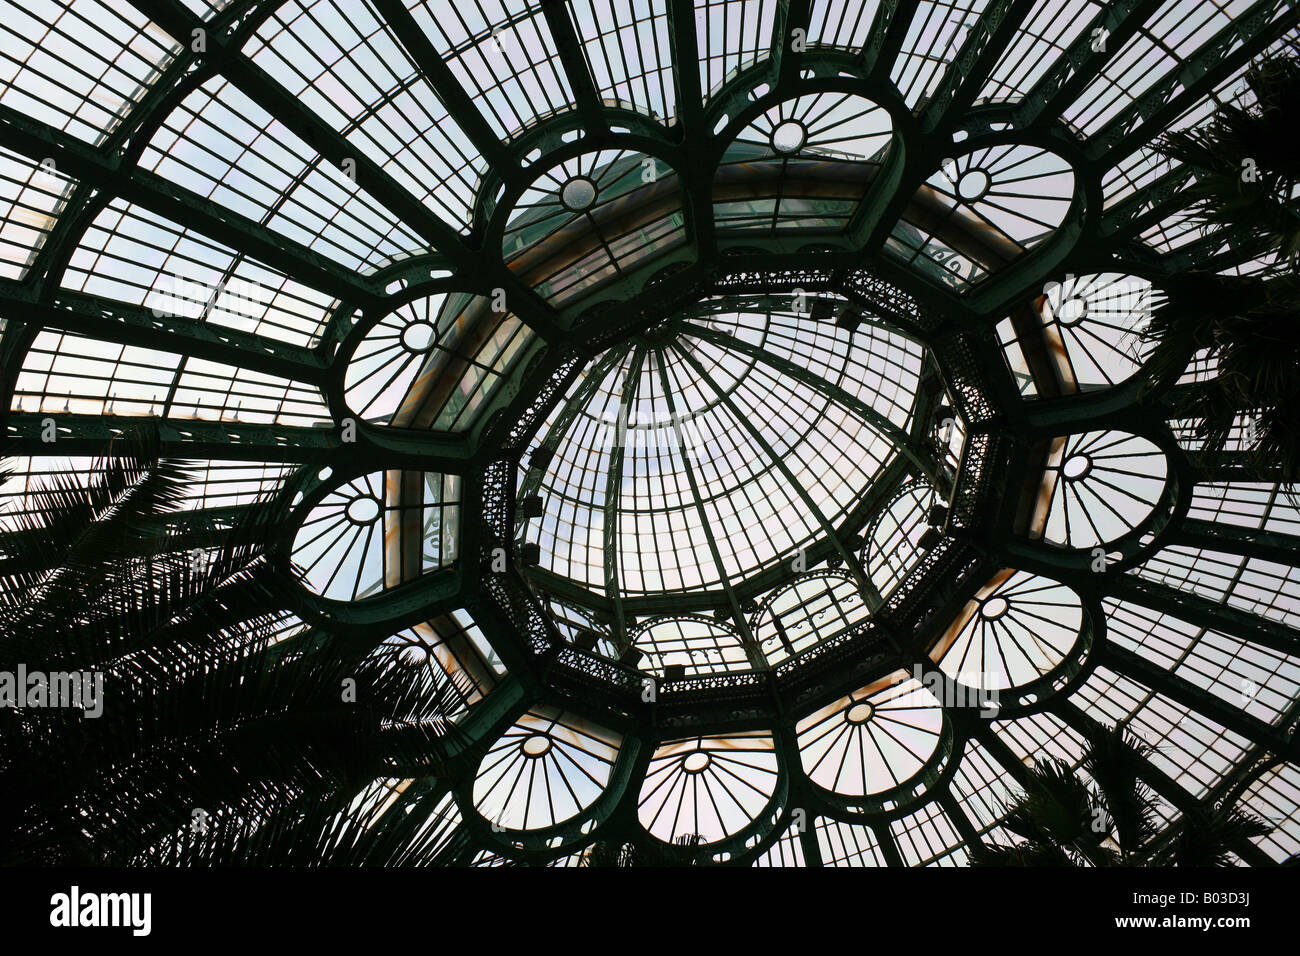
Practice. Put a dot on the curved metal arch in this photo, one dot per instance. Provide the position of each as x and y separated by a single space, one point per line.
1060 680
669 153
744 842
1144 539
896 801
1043 418
568 835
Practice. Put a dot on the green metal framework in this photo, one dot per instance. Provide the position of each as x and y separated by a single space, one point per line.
1183 597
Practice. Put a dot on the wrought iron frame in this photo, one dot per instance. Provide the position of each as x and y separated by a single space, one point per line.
1004 433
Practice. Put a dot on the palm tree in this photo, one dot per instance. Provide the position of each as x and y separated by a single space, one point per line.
1247 178
1205 837
607 853
611 853
1246 166
1111 821
1250 328
217 742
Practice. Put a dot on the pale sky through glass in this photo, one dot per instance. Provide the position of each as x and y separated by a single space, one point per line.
721 435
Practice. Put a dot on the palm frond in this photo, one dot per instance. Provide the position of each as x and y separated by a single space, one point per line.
1115 762
1206 837
204 713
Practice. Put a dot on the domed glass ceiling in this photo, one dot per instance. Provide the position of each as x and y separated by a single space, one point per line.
701 426
710 393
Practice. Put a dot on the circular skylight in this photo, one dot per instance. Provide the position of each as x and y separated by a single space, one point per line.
418 337
788 137
758 453
578 193
974 183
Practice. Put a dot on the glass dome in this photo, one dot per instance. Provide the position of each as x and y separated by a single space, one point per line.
740 406
713 448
